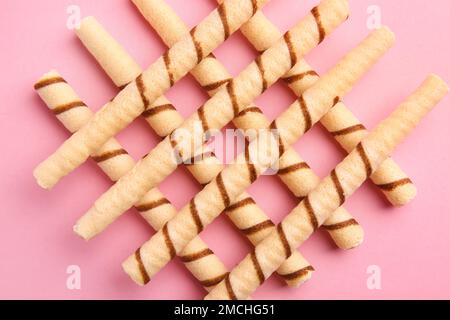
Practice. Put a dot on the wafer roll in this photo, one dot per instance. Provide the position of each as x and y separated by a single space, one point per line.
150 85
246 214
123 69
331 193
115 162
214 114
162 116
236 177
121 74
74 114
340 121
349 131
212 75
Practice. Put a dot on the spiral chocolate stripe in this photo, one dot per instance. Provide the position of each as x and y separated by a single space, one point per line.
168 242
109 155
254 6
240 204
214 281
141 88
195 216
68 106
338 187
290 46
196 256
202 117
293 168
223 17
305 112
46 82
233 99
336 101
315 12
355 128
260 66
230 291
223 190
250 166
283 239
311 214
166 58
341 225
365 159
177 152
200 157
258 227
391 186
257 267
142 271
248 110
300 76
297 274
216 85
281 148
152 205
197 45
155 110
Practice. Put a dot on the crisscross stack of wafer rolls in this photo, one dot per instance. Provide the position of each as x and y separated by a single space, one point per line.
340 122
281 57
295 270
331 193
244 213
227 103
294 171
115 162
150 85
236 177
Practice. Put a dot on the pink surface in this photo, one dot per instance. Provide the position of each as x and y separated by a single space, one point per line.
409 244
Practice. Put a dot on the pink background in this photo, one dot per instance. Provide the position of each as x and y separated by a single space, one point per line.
410 244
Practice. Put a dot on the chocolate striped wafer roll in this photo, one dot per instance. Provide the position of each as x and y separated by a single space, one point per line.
123 69
331 193
113 159
340 121
150 85
261 153
214 114
211 74
247 216
162 116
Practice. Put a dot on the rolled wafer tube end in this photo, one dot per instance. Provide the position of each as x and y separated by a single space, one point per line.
107 51
44 180
132 267
81 231
346 232
300 280
351 238
436 81
403 195
86 226
296 270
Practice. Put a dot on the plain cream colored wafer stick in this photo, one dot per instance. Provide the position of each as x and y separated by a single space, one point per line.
90 30
331 193
115 162
340 122
247 216
211 74
236 177
214 114
151 84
